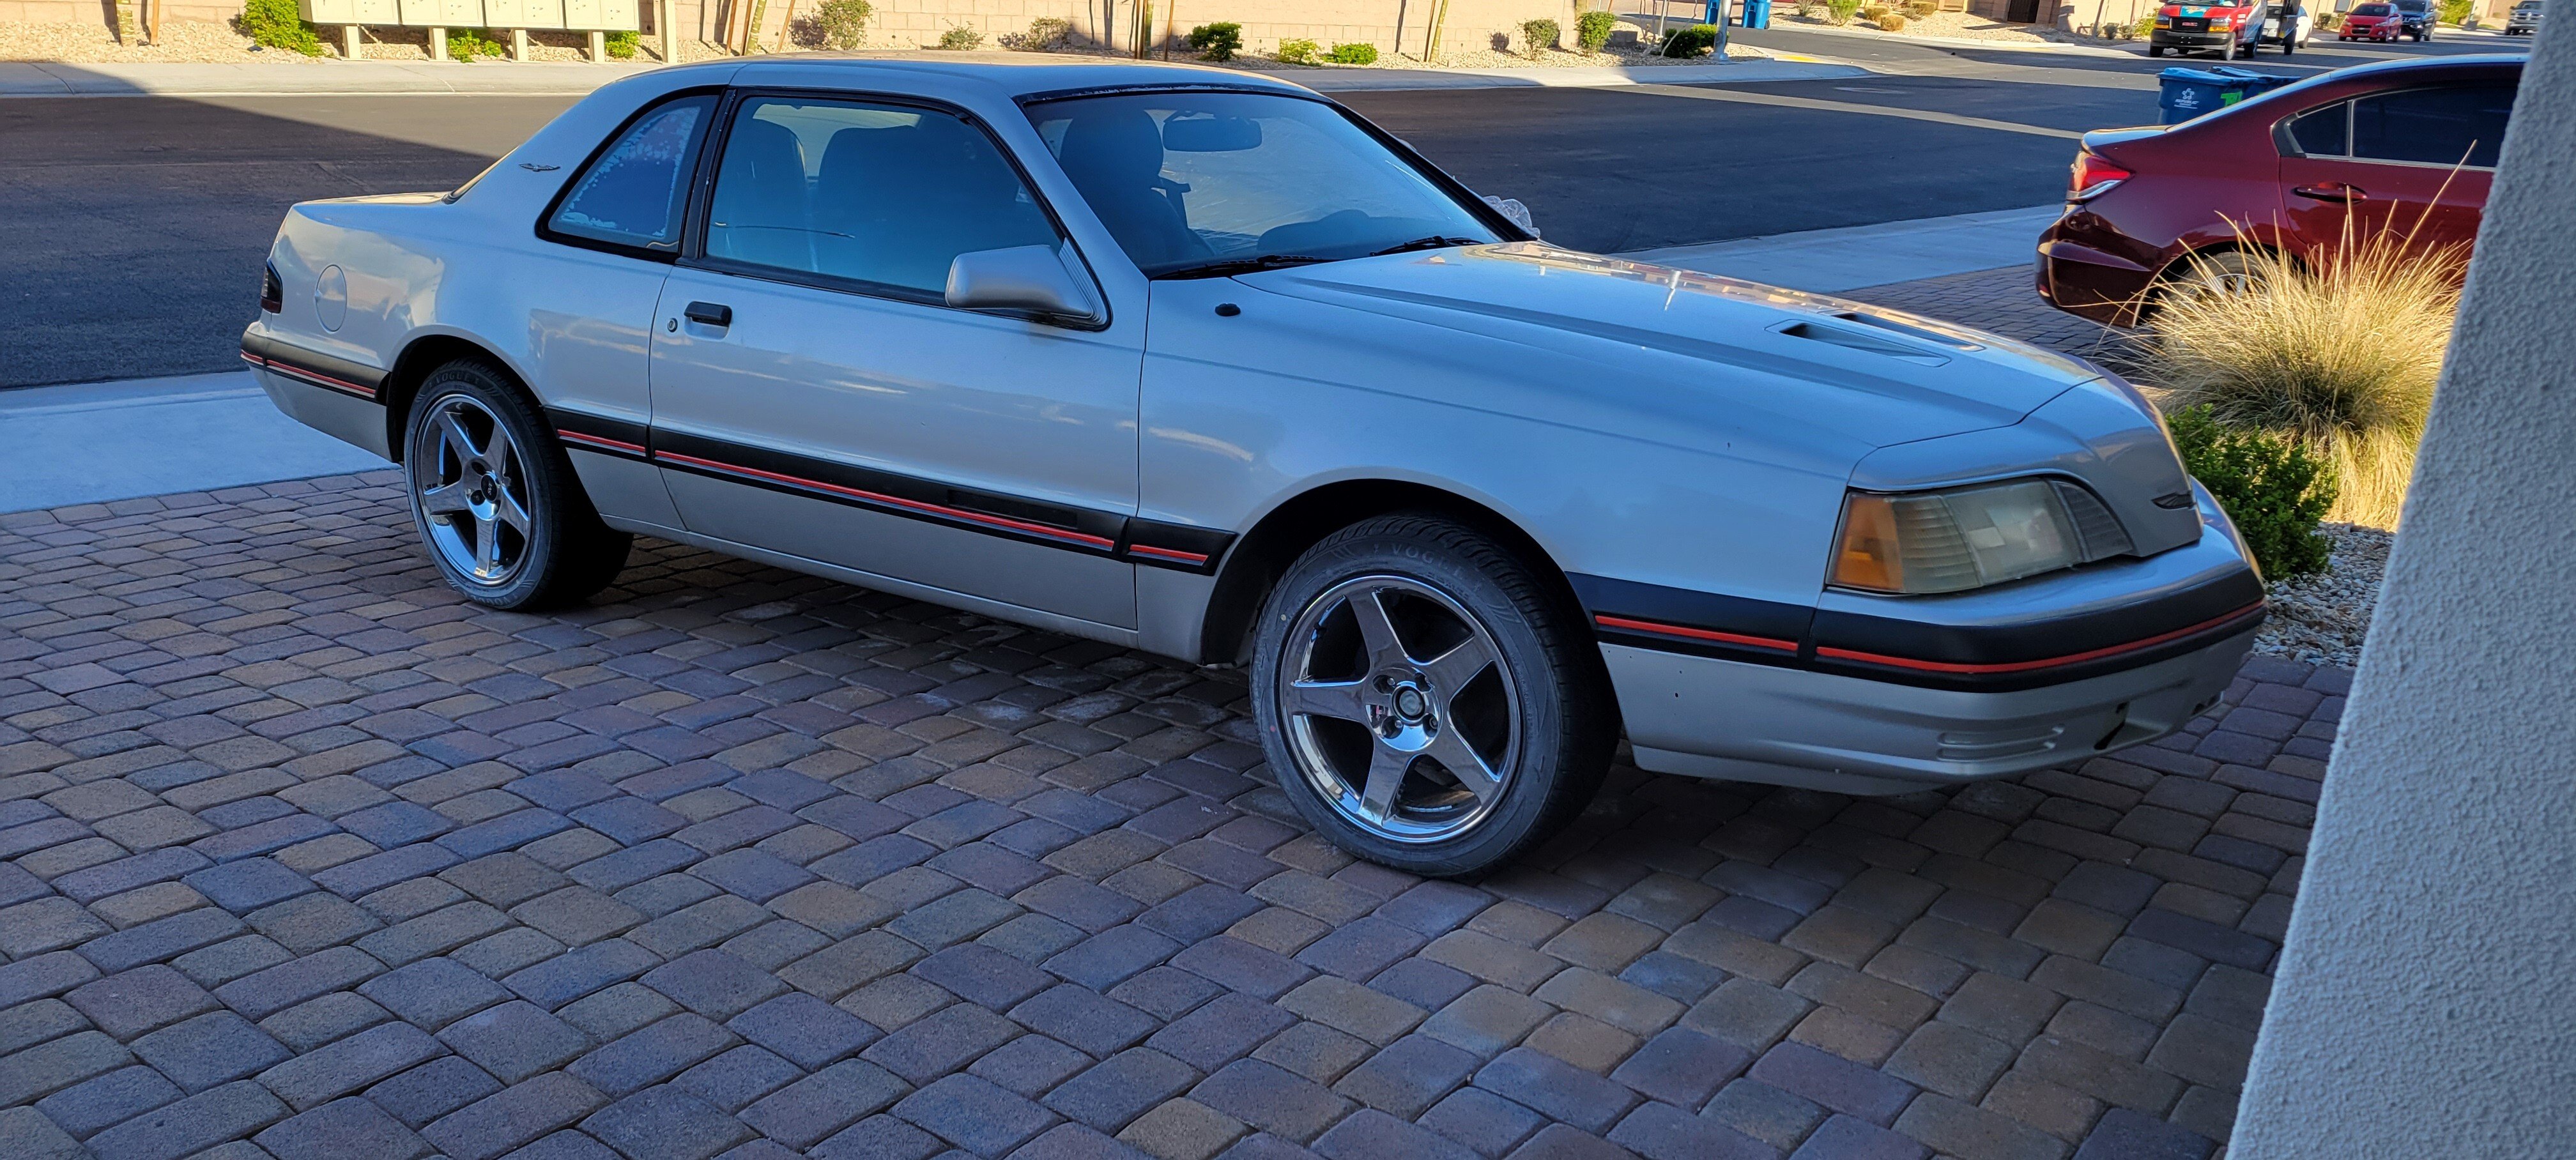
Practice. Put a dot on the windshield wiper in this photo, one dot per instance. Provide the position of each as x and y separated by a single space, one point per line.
1434 242
1252 265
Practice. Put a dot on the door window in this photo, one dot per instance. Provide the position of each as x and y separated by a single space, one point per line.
635 192
2323 132
2452 125
878 195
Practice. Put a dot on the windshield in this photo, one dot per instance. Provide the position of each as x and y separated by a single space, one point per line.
1221 183
2371 10
2411 5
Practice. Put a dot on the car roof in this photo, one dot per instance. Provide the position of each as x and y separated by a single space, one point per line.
1014 75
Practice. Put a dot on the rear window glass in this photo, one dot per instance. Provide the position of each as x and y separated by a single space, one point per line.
2324 132
635 193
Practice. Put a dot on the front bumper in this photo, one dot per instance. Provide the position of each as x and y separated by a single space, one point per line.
1705 713
2191 41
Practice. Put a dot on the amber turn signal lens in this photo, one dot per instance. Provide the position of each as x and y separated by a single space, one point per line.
1869 556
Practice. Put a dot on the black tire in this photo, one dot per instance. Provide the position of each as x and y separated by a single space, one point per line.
1546 672
563 555
2152 50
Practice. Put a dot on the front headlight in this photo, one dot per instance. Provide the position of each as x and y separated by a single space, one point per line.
2164 22
1950 541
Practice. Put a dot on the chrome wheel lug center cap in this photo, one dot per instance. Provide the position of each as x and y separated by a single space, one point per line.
1410 704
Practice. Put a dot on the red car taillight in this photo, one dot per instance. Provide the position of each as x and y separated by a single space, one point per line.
2093 177
272 293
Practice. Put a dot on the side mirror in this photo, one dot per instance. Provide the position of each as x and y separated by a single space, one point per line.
1511 207
1028 280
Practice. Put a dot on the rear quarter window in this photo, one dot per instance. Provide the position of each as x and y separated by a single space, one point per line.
634 194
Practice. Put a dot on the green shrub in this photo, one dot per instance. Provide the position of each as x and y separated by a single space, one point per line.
468 43
2455 11
1297 51
1360 53
1841 11
277 24
1049 33
1541 34
2272 488
962 38
621 45
1592 30
844 22
1696 40
1217 41
2146 26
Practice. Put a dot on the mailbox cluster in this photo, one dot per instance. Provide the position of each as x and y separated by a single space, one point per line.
597 17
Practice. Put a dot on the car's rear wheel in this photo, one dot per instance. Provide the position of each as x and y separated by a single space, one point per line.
496 500
2219 274
1424 701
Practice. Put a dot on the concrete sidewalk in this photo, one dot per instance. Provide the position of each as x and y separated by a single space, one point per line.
95 442
379 78
1836 260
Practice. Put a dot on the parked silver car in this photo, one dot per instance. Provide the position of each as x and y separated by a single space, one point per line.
2524 20
1202 363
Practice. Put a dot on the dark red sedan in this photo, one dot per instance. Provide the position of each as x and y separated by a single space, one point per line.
2405 148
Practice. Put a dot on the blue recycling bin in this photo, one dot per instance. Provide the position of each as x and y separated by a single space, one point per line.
1757 13
2190 92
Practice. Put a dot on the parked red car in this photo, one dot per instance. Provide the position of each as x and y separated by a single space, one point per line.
2373 21
2404 147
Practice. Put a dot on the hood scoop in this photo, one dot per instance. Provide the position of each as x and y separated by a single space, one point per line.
1850 338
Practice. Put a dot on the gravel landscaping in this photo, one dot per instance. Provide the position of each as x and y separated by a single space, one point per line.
2321 619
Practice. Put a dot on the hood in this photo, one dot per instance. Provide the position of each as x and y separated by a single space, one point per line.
1699 347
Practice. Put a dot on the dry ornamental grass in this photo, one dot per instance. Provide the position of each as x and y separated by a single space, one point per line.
2340 356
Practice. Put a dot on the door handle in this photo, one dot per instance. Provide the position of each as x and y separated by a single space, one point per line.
709 314
2335 192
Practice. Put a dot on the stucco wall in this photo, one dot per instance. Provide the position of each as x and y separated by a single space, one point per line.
2422 1006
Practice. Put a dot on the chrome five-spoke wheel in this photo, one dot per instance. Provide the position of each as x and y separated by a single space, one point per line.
473 488
1399 708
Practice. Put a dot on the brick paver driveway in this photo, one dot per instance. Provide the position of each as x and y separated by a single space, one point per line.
306 857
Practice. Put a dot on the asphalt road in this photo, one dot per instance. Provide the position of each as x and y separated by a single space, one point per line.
139 223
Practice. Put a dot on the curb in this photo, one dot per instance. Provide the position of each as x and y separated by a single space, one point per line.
1965 42
420 78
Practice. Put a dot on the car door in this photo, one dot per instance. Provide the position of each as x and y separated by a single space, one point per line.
814 395
2413 165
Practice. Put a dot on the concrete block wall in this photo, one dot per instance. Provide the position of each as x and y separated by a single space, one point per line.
1392 25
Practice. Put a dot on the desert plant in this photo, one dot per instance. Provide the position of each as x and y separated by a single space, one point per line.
1048 33
1217 41
844 22
2272 489
2146 26
962 38
468 43
1540 34
2338 355
1874 13
278 24
1358 53
1922 9
1841 11
1297 51
1592 30
1811 9
1696 40
2455 11
621 45
1891 22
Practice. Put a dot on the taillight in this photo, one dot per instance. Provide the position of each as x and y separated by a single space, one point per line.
2093 177
272 293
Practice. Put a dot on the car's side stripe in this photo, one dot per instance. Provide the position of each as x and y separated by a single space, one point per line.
317 378
879 498
1167 554
1688 633
602 443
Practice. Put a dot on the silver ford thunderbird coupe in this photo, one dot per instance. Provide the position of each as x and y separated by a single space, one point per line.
1202 363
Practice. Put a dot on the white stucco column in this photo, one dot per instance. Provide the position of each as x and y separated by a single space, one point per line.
2426 999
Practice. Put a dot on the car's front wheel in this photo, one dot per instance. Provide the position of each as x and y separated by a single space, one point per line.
1424 700
495 497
